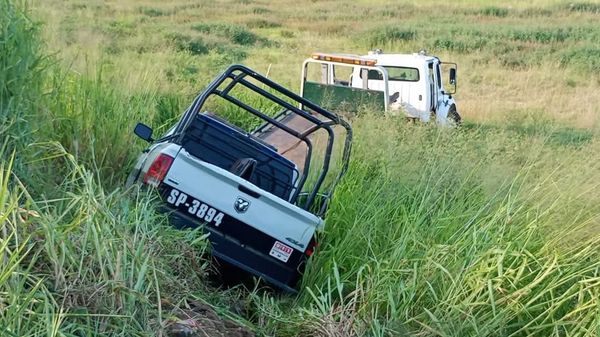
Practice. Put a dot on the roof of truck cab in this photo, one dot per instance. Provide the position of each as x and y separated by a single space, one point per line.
400 59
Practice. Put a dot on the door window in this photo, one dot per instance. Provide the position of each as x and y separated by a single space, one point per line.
431 87
438 76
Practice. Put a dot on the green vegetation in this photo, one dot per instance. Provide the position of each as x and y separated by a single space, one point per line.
236 34
494 11
489 230
383 35
584 7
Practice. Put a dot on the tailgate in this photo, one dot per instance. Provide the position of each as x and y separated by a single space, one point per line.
225 201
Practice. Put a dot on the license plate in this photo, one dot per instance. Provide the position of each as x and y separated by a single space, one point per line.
281 251
194 207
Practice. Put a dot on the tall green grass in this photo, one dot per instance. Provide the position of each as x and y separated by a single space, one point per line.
27 307
90 262
21 63
433 241
77 259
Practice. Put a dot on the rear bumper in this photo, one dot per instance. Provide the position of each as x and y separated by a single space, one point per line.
242 256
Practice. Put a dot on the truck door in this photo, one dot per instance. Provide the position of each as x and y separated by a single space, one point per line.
438 85
432 92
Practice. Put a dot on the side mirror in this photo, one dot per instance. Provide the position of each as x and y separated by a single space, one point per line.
143 131
452 78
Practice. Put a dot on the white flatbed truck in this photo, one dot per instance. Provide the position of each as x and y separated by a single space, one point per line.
409 85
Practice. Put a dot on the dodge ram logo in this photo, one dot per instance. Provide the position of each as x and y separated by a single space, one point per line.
241 205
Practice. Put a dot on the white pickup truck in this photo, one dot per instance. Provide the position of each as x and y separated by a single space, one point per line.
259 197
399 84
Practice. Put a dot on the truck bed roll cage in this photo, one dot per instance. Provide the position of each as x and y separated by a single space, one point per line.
320 118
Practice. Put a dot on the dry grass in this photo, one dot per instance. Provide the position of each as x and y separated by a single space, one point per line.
131 35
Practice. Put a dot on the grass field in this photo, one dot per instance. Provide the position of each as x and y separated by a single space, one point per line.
487 230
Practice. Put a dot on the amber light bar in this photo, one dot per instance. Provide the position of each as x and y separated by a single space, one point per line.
344 59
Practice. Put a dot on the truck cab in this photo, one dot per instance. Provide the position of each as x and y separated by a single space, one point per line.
408 84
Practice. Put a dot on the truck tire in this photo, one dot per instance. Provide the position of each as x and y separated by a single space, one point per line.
453 116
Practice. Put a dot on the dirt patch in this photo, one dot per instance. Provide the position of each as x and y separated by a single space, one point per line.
200 320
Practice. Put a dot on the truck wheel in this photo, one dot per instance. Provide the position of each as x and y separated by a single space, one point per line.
453 116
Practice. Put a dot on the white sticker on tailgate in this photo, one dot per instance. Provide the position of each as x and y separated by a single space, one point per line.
281 251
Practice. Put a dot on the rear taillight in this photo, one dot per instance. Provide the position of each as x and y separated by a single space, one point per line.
158 170
311 248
